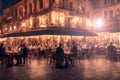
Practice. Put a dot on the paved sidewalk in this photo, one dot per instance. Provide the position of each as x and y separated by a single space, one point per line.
97 69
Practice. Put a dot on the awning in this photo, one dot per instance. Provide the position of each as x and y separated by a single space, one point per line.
53 31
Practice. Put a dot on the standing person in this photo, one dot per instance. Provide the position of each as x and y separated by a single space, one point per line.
111 51
74 50
59 56
18 55
24 53
4 55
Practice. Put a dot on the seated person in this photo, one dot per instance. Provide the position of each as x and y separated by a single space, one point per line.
21 57
112 50
4 55
74 53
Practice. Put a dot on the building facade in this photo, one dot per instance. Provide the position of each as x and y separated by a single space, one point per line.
26 15
109 11
33 15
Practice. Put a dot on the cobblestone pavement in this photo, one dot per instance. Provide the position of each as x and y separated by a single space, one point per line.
97 69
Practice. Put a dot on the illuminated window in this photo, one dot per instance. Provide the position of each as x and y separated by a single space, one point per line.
43 21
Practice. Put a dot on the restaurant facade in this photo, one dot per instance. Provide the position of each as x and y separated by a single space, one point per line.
46 23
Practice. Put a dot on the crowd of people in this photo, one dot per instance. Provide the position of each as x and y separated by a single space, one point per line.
20 56
20 48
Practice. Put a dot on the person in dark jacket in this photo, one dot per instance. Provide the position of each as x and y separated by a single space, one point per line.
73 51
112 50
24 53
4 55
59 56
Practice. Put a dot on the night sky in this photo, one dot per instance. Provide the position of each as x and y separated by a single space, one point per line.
4 4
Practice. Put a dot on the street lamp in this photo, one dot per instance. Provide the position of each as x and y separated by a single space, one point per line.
99 23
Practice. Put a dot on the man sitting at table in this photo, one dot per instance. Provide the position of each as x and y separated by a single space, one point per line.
112 50
59 56
18 56
73 53
4 55
21 57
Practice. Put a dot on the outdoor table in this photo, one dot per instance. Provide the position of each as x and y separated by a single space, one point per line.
118 54
11 54
67 58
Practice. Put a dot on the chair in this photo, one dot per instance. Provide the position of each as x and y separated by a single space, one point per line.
28 59
52 60
3 61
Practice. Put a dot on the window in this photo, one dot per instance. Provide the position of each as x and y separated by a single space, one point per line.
83 9
111 14
30 8
112 2
21 11
12 13
118 11
118 0
108 2
51 2
41 4
25 10
36 23
105 14
105 2
34 5
16 13
61 3
71 5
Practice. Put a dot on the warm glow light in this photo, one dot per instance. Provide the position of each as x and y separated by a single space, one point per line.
5 28
30 22
88 23
21 38
14 27
0 31
10 28
43 20
99 22
54 16
23 24
74 21
62 19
